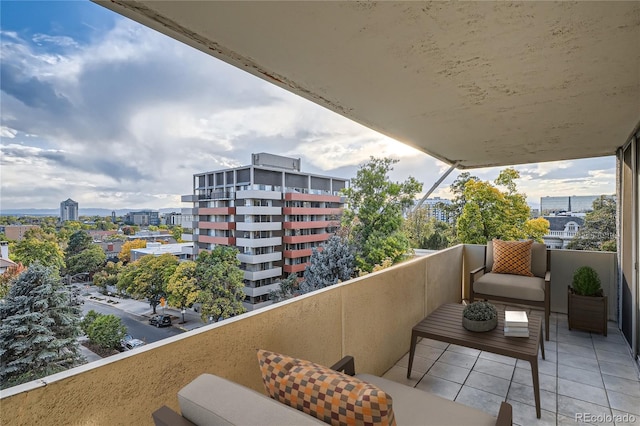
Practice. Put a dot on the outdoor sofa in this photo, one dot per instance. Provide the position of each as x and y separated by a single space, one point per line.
213 400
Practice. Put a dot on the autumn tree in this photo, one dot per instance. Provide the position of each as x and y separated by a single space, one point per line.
221 281
148 277
333 262
491 213
183 287
125 250
44 251
8 277
38 328
426 232
599 230
176 233
374 214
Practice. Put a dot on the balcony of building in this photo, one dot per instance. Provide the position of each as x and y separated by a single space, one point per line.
311 210
324 196
371 318
216 225
310 224
309 238
207 211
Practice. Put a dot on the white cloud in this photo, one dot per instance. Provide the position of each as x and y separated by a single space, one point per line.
126 119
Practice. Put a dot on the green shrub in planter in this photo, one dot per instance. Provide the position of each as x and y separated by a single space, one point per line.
586 282
480 311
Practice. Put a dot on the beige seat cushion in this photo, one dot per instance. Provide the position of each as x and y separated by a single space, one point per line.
514 286
416 407
213 401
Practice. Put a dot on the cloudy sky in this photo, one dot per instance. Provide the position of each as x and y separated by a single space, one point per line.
99 109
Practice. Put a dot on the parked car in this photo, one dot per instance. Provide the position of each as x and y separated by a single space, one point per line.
132 344
160 320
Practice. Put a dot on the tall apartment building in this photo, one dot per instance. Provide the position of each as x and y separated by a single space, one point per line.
433 208
68 210
271 212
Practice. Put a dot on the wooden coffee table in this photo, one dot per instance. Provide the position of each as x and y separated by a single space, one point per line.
445 324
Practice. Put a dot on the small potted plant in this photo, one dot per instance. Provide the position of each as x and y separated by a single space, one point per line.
587 304
480 316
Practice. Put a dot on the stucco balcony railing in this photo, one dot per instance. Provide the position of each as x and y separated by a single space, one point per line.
374 311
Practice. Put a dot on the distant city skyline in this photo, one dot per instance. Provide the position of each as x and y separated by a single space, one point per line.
115 115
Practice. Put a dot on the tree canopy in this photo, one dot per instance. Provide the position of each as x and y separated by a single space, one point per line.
599 229
125 250
490 213
148 277
38 328
221 282
374 218
90 260
30 250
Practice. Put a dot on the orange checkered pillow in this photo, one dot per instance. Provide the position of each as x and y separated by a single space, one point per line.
333 397
512 257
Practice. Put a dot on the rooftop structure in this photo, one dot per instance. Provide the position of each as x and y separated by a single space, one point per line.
183 251
562 229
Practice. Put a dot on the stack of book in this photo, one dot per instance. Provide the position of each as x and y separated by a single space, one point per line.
516 324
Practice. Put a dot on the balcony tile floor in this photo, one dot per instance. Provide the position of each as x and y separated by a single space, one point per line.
582 373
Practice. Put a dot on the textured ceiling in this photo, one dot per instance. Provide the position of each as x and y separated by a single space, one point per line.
478 83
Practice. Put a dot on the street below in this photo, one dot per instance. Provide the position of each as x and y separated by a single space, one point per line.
137 326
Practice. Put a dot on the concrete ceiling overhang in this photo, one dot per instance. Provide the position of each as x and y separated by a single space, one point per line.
477 83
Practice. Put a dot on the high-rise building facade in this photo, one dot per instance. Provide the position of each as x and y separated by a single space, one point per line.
435 210
565 204
143 218
68 210
271 212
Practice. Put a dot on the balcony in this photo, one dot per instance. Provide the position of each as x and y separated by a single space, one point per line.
261 275
226 241
259 210
296 196
311 224
259 258
258 194
217 225
259 242
258 226
299 267
374 311
294 239
206 211
311 210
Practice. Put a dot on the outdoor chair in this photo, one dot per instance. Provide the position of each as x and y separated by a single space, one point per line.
515 272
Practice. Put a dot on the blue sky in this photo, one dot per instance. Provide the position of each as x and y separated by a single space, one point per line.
97 108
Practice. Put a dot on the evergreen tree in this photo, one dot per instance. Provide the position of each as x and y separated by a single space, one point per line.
334 263
38 328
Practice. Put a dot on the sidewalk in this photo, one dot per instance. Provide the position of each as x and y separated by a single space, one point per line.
142 308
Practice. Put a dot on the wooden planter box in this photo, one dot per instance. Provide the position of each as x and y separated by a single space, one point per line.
588 313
